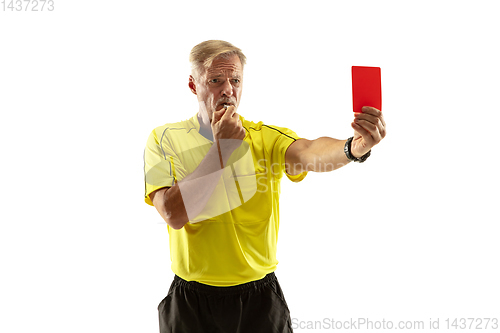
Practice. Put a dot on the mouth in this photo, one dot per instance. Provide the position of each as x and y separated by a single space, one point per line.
223 105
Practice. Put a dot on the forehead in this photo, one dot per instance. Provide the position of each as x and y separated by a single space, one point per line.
231 65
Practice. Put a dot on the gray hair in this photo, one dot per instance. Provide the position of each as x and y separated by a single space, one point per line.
203 54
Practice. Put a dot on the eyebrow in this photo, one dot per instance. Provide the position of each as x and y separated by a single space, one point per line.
218 73
236 76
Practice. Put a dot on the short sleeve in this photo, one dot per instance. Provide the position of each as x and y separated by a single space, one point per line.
161 166
281 138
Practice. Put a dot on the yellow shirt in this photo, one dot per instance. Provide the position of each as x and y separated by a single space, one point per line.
234 239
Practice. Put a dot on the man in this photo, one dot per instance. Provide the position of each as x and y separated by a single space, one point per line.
215 180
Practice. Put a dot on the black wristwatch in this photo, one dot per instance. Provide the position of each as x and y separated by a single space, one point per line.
347 151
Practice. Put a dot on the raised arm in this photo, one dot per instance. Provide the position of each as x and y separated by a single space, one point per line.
327 154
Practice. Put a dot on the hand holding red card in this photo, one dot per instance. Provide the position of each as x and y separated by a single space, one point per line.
369 125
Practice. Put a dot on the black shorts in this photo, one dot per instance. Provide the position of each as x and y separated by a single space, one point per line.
253 307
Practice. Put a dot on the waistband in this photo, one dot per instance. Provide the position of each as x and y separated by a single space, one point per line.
240 288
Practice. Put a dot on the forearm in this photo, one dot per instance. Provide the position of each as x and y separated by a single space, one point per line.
325 154
188 197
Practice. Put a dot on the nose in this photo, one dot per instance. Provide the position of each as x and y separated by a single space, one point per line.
227 88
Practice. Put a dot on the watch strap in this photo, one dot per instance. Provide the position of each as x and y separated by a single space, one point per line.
347 151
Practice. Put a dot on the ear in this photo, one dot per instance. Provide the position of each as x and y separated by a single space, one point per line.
192 84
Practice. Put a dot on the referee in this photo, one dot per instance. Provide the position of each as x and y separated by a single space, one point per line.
215 180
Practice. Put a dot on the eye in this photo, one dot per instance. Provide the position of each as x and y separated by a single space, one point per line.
213 80
236 80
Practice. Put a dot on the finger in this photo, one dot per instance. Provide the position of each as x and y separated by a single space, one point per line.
368 117
229 112
372 129
381 125
377 121
234 113
362 132
371 110
217 115
382 120
236 117
382 129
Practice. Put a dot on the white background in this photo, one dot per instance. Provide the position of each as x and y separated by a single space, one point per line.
411 234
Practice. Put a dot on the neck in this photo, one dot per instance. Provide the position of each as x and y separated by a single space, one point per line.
205 127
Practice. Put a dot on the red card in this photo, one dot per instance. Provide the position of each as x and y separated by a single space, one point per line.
366 88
